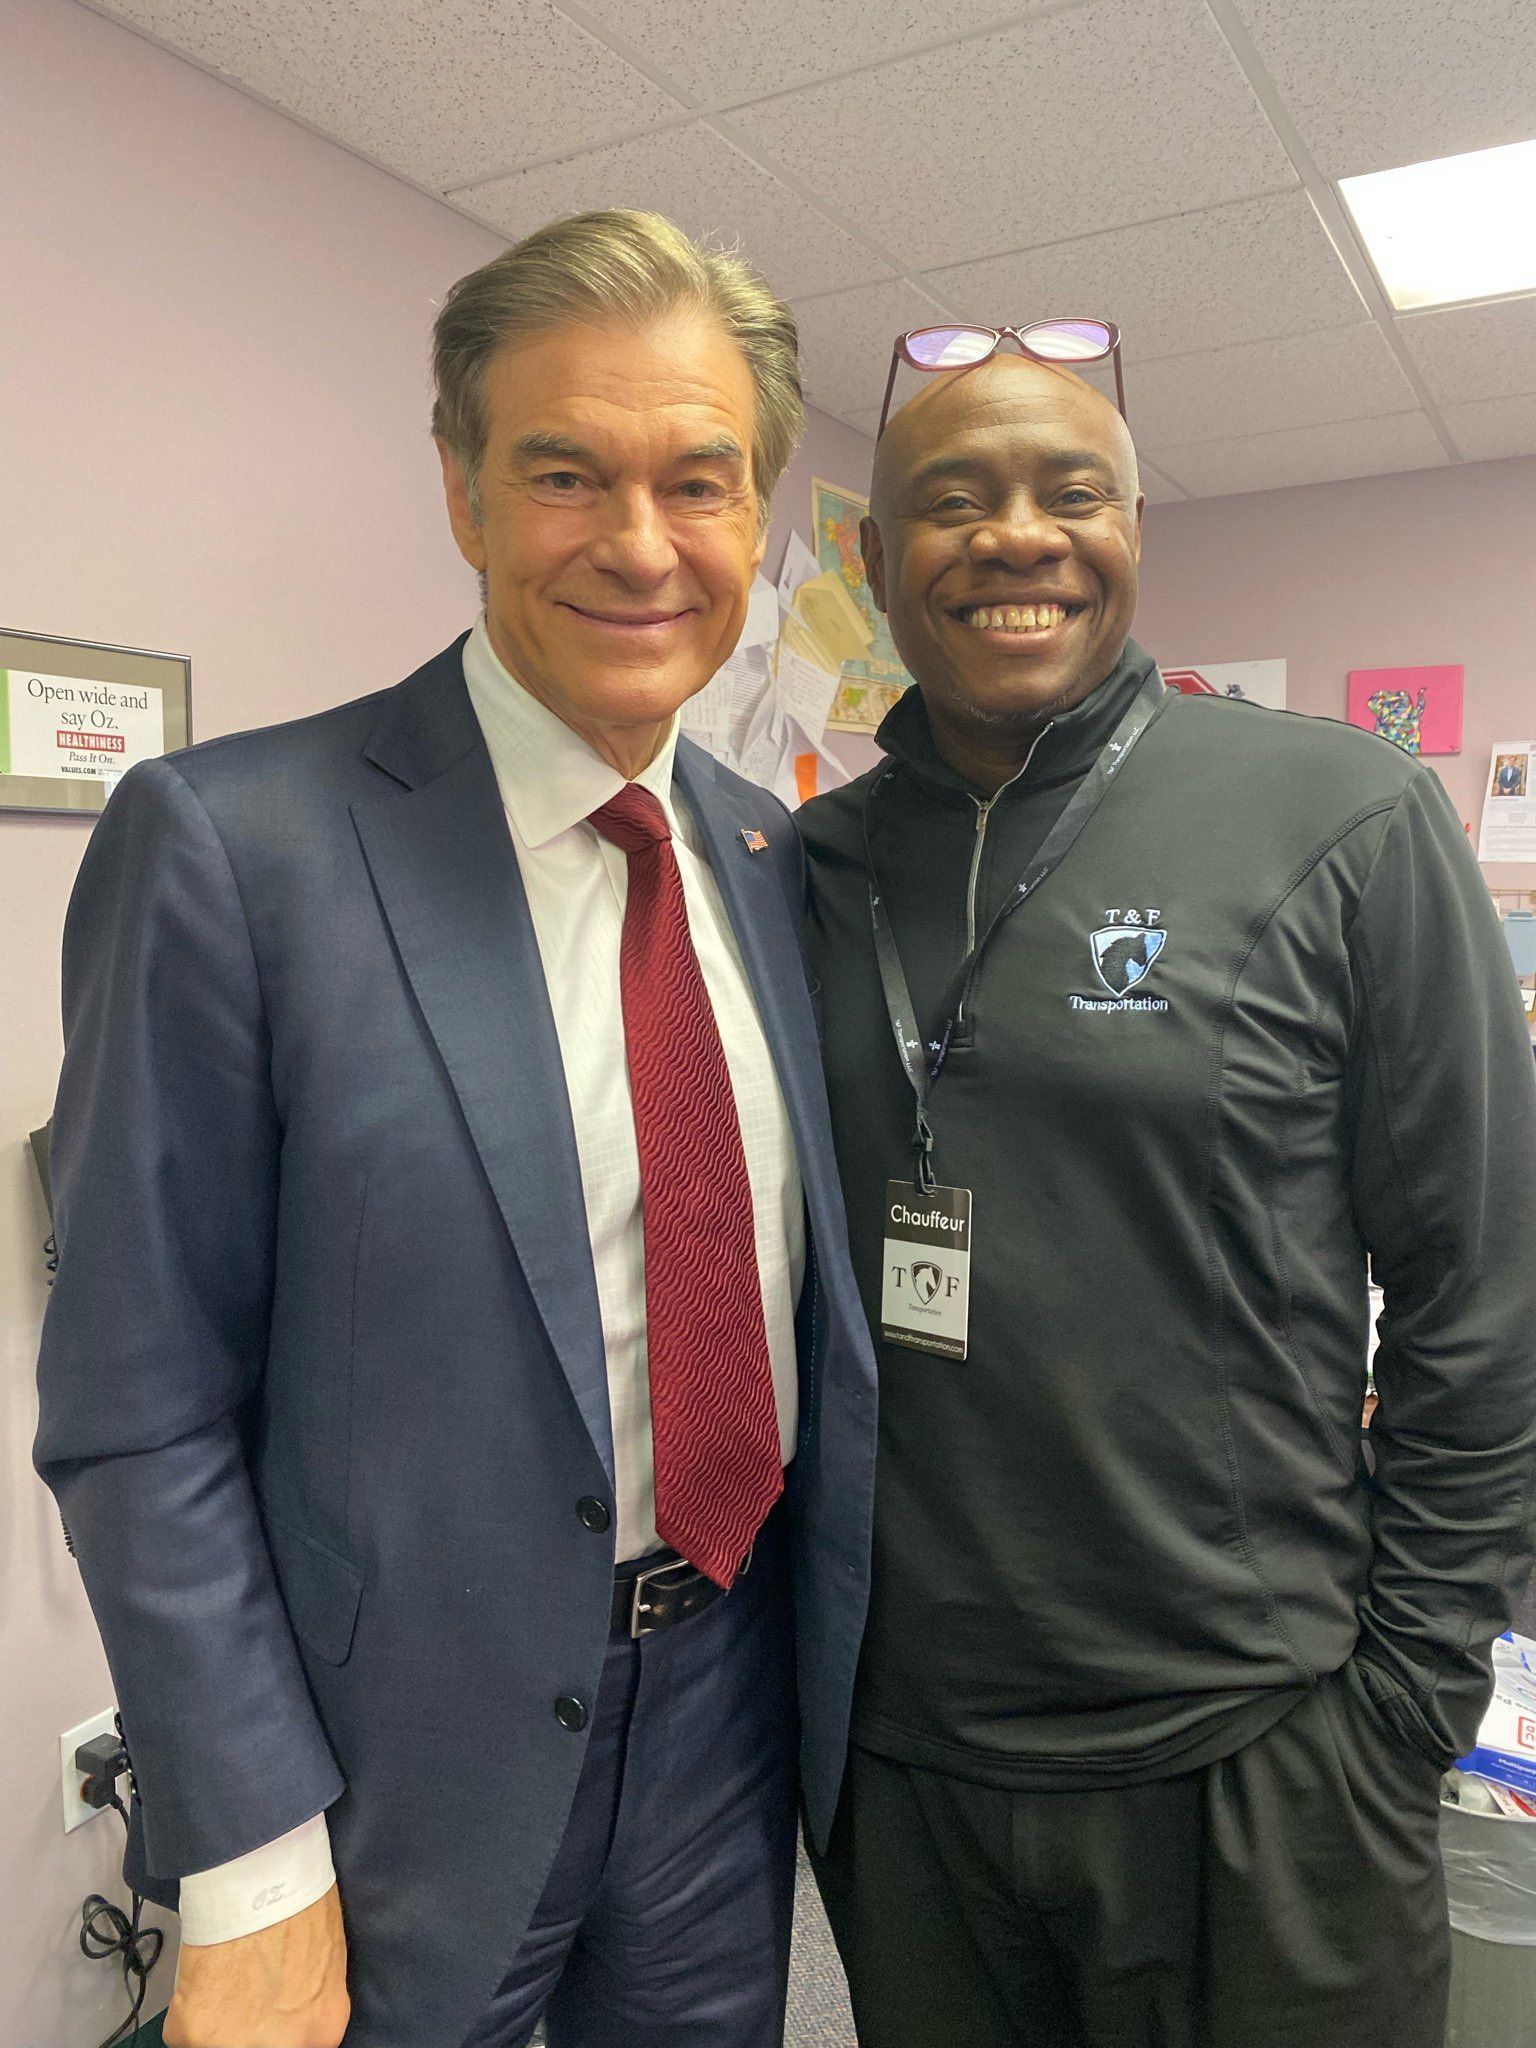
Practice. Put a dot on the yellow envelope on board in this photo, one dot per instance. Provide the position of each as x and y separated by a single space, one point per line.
834 619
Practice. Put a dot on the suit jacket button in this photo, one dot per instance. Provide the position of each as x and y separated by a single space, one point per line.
592 1514
571 1714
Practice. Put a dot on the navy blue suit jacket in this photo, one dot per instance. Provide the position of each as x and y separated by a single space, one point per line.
322 1377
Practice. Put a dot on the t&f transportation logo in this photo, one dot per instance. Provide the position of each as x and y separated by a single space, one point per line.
927 1280
1124 950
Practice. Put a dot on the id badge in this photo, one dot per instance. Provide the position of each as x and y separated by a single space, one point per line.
925 1300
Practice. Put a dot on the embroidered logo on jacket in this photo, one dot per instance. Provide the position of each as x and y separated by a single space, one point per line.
1124 955
1124 951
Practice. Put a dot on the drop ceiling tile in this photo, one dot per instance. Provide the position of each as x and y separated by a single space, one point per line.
723 55
1119 111
1378 83
865 419
441 90
1467 352
1242 272
703 184
1264 387
1306 455
845 343
1492 428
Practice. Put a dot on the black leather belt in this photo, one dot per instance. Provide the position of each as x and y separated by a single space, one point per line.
661 1591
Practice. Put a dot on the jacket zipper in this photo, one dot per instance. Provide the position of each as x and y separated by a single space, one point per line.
983 812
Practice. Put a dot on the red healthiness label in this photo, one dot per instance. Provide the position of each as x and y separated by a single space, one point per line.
1525 1731
94 742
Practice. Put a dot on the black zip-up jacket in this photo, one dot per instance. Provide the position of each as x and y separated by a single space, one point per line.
1134 1524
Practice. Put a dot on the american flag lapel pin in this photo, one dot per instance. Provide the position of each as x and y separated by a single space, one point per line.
753 841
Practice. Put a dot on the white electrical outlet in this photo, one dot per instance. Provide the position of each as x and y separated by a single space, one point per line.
75 1809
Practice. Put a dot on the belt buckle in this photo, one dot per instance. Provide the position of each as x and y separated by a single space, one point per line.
643 1582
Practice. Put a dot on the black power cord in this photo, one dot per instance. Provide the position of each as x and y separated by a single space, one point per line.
106 1930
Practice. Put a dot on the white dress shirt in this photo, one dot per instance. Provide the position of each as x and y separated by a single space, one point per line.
577 885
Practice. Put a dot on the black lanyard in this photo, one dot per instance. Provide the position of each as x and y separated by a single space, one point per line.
922 1068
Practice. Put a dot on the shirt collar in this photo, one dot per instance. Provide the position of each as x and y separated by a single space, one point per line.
549 778
1068 747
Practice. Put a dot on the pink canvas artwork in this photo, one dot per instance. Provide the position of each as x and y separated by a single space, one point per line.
1418 709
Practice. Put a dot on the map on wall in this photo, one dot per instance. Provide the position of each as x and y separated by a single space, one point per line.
871 683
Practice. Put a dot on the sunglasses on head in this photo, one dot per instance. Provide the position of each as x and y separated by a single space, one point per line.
1047 341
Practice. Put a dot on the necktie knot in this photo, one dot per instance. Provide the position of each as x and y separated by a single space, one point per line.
632 820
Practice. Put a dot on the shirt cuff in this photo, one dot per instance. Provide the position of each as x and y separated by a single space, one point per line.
257 1890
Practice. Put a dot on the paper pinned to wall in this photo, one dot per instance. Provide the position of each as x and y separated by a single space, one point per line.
707 715
805 768
806 690
1509 803
823 604
762 627
765 710
762 742
800 565
727 700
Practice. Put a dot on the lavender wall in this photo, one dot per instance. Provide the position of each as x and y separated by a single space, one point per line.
1435 566
214 369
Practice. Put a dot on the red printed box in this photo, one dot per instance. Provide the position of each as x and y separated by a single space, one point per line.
94 742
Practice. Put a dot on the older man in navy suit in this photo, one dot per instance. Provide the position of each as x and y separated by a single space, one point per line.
452 1274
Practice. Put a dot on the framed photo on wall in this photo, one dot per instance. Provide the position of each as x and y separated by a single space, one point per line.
75 715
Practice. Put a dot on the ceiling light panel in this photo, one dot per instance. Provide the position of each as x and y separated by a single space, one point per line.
1454 229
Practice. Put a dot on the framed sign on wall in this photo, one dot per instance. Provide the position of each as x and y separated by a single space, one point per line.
75 715
1418 709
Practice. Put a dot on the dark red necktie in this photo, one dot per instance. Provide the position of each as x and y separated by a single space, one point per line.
714 1419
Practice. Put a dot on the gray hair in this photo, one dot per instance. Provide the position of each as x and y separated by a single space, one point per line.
606 266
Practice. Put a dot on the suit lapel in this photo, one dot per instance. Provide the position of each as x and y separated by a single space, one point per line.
770 951
442 861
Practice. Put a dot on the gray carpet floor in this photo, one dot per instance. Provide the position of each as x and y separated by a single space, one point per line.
818 1992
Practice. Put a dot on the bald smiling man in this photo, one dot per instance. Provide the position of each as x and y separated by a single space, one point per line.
1151 1021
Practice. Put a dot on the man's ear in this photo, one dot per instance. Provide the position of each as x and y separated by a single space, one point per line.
873 550
461 517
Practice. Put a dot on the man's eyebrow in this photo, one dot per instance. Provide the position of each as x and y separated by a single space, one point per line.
1081 458
539 446
531 446
967 464
723 448
946 465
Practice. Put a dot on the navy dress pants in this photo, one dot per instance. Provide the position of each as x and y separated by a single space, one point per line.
665 1921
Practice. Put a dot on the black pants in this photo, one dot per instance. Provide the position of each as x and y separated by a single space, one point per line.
1289 1896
